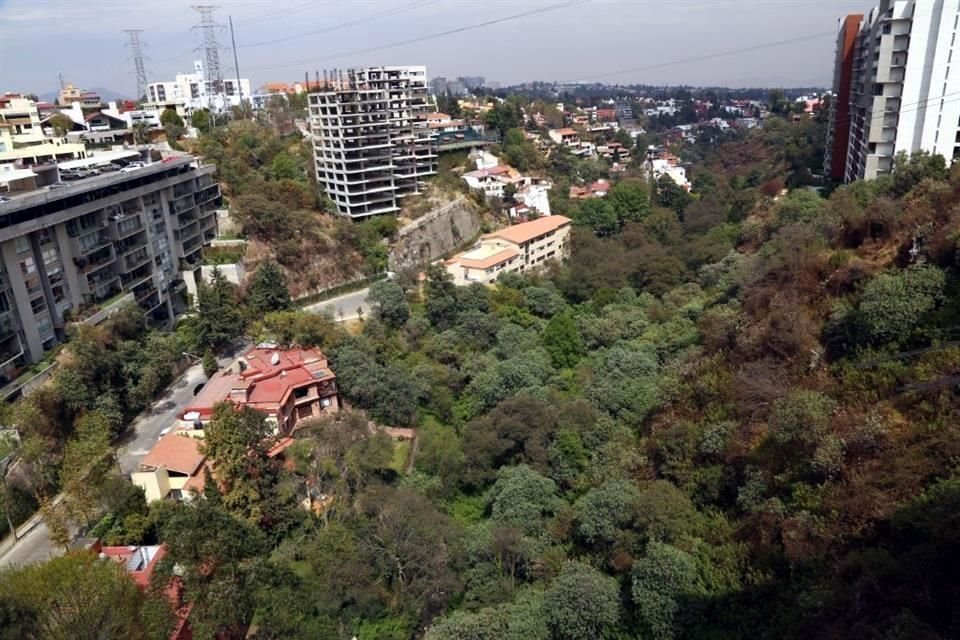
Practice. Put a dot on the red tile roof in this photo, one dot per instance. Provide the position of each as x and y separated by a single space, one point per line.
270 376
525 231
177 452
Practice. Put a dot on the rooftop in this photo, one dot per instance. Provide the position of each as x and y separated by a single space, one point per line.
176 452
526 231
486 256
265 375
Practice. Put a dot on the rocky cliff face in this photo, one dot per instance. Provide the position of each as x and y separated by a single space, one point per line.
441 231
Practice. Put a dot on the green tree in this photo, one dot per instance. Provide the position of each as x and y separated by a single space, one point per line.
268 289
237 440
602 511
61 124
562 341
661 580
170 117
894 304
74 597
210 365
218 316
522 498
441 296
630 200
201 120
216 554
389 303
582 603
598 215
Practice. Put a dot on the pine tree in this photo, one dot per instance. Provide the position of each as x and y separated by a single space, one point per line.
268 289
218 316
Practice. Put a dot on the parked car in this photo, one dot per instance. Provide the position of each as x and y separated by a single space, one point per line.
133 166
70 174
108 167
57 185
4 199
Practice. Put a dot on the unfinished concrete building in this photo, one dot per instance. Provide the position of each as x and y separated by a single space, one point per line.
370 140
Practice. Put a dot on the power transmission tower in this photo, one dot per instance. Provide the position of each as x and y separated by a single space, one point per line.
136 53
211 46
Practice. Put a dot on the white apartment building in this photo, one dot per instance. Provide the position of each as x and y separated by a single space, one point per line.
22 138
189 92
369 144
517 248
900 86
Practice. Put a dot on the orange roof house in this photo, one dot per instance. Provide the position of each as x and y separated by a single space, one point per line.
288 385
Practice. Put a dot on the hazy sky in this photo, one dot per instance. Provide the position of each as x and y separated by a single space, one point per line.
570 40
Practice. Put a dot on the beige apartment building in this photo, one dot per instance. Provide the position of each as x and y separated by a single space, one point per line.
517 248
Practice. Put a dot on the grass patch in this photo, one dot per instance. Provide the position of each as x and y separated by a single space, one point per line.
401 455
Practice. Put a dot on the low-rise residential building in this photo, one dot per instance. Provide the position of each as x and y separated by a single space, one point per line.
493 179
140 562
22 138
596 189
173 469
289 385
665 164
517 248
188 92
566 137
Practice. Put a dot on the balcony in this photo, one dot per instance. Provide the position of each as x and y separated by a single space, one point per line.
125 227
101 241
96 261
96 313
75 229
136 259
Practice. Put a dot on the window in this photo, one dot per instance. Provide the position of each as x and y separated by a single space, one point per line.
50 256
21 244
38 305
59 295
27 266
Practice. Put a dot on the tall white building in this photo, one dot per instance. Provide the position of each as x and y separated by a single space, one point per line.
369 142
904 96
191 91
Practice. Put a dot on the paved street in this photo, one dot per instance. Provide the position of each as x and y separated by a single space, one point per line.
146 429
343 307
33 547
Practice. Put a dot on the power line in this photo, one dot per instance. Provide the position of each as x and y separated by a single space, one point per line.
273 15
136 53
719 54
479 25
344 25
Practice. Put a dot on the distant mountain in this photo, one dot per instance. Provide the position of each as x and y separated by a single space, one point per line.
107 95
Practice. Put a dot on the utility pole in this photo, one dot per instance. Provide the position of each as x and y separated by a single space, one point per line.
236 67
211 47
60 78
136 53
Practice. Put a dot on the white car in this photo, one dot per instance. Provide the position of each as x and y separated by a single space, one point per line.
133 166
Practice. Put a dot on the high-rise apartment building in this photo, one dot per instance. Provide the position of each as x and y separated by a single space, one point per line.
67 253
370 140
894 64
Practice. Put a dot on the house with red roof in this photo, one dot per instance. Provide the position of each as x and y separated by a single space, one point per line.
140 561
289 385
